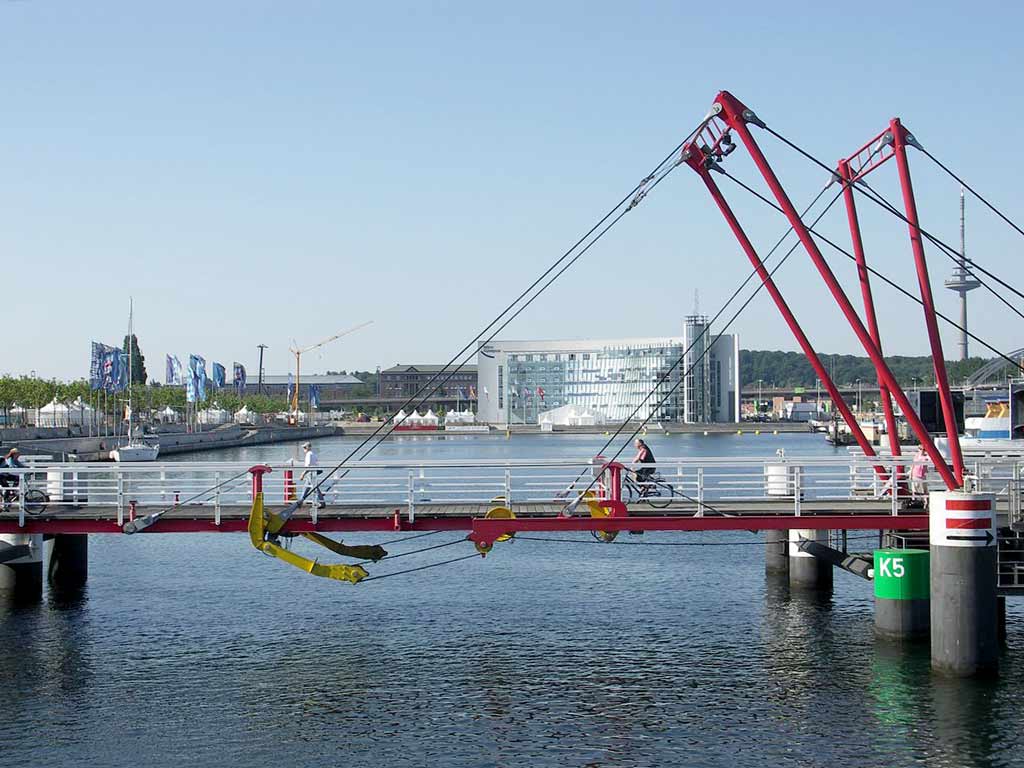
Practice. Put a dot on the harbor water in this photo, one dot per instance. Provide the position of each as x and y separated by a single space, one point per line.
195 650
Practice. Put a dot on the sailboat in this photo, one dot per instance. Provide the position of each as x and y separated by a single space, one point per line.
136 449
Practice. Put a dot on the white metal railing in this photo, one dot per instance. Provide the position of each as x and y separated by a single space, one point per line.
411 485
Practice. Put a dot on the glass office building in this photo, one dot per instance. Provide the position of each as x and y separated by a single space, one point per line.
520 380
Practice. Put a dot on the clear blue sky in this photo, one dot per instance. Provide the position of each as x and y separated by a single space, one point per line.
257 172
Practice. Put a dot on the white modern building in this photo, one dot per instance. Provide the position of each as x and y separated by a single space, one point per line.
694 378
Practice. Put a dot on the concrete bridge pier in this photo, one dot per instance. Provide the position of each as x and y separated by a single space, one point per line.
21 566
68 561
776 552
805 570
964 603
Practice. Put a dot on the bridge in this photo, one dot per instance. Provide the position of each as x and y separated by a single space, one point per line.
692 494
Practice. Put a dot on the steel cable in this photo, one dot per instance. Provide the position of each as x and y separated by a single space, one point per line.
876 273
630 201
970 189
707 349
885 206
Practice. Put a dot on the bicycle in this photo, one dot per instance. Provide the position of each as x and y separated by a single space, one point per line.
35 500
654 491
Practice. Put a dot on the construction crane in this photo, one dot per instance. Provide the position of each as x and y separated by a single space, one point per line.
298 360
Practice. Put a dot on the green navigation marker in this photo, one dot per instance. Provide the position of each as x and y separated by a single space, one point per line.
901 574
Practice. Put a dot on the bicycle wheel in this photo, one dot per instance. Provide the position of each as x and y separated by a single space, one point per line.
660 494
630 493
35 501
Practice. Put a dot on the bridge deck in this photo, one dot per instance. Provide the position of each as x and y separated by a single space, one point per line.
680 515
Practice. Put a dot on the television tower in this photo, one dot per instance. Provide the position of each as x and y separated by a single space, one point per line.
962 282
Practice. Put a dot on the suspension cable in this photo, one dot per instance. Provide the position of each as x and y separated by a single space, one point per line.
929 236
970 189
876 273
420 568
956 257
668 543
133 526
415 551
615 214
707 348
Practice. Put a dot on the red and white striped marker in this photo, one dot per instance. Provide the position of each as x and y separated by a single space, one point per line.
961 519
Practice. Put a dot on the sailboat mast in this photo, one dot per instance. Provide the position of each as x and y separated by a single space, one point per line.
131 307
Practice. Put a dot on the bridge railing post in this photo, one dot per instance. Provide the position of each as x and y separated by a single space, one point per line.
797 493
21 500
120 498
412 496
700 491
216 498
508 488
895 487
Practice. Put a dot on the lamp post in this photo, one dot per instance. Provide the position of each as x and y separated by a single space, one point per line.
757 408
858 396
817 396
913 380
260 379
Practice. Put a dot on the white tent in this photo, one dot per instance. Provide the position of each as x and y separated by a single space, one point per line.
213 415
244 416
17 415
168 416
399 416
571 416
55 414
429 419
460 417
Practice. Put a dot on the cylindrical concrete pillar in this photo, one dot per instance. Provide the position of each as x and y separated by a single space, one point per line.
776 551
21 578
964 633
805 570
68 560
901 578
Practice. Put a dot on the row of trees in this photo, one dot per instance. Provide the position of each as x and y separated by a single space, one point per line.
792 369
31 392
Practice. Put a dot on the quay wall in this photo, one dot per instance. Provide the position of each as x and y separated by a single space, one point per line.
766 427
173 441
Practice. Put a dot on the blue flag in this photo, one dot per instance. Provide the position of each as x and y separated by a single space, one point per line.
239 379
96 365
173 370
196 385
314 395
219 376
108 368
291 387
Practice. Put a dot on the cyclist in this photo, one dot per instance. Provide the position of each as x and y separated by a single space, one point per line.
7 480
644 455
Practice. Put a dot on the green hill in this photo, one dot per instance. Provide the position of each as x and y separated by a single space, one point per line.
792 368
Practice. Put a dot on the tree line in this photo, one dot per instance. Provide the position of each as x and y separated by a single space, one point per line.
32 392
791 369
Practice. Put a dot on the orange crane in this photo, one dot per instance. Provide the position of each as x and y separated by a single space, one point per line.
298 360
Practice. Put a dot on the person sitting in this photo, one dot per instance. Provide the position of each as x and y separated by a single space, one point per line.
644 455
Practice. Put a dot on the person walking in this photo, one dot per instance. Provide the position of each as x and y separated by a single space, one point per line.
309 475
919 474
